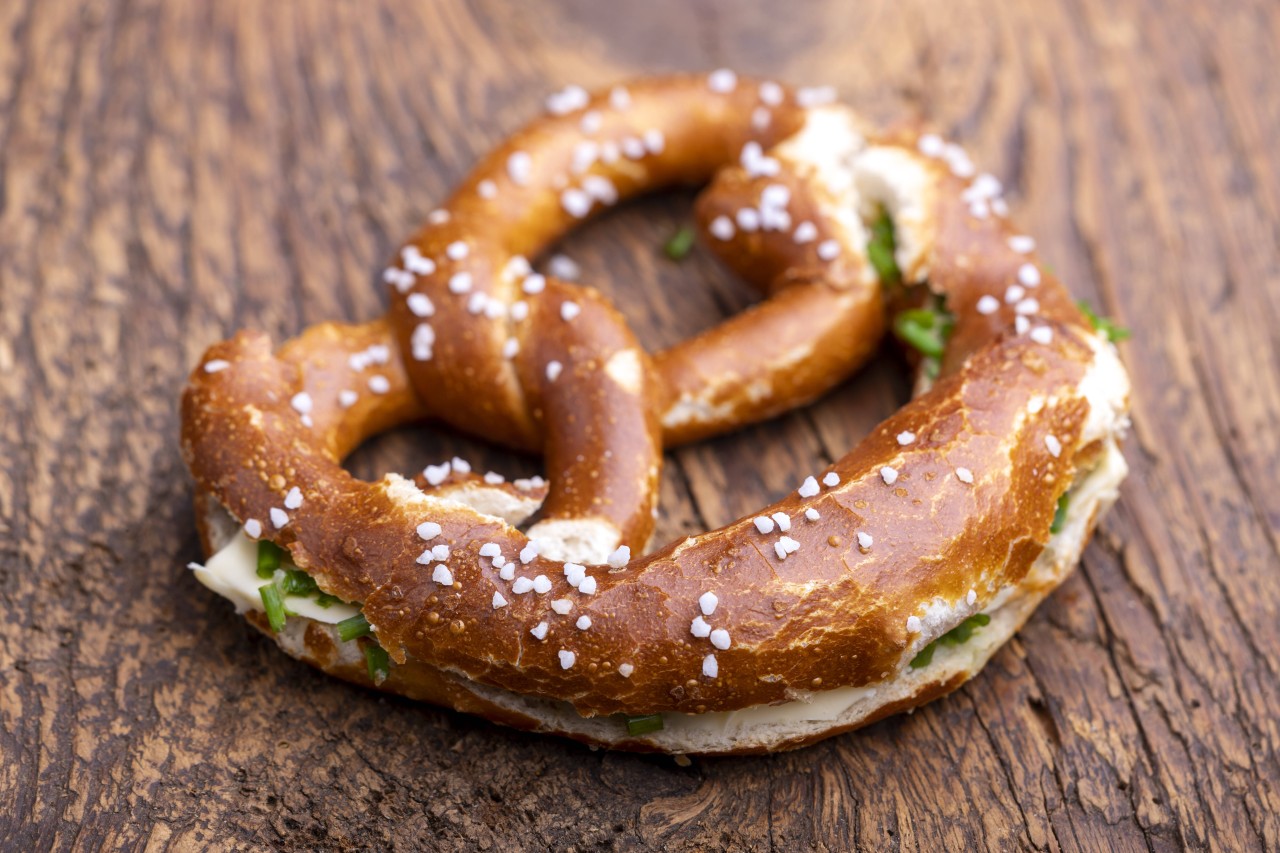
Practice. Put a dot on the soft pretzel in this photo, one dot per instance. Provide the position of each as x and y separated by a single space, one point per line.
881 582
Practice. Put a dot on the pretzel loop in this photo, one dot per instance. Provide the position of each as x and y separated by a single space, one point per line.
530 361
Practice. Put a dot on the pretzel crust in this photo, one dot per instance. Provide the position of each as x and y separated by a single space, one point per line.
1010 409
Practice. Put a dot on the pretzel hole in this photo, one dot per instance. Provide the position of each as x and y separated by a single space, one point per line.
624 246
430 450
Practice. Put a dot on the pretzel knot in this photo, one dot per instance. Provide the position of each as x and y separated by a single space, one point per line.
953 510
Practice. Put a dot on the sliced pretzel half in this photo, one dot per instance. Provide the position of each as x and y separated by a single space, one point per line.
825 598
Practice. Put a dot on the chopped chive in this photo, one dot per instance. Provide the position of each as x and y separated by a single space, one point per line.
1060 514
962 632
274 606
925 657
957 635
644 725
356 626
680 244
932 367
1105 325
269 556
298 582
919 327
880 250
325 600
377 662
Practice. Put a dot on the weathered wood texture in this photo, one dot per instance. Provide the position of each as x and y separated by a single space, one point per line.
170 172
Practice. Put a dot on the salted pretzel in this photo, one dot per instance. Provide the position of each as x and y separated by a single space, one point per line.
881 582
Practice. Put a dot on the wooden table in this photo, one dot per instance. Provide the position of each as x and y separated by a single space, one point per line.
172 172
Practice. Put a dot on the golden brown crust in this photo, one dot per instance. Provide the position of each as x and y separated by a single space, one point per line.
956 514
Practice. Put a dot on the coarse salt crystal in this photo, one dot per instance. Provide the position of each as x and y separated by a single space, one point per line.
420 305
576 202
721 228
722 80
519 167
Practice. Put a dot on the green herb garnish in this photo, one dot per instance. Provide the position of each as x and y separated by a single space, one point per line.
1105 325
325 600
269 556
298 582
350 629
924 329
274 606
377 662
880 250
925 657
1060 514
957 635
644 725
680 244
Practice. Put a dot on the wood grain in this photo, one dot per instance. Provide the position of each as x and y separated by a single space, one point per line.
171 172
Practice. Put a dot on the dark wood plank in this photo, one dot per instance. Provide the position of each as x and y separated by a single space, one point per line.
171 172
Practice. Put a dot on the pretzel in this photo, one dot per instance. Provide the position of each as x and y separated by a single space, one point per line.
845 601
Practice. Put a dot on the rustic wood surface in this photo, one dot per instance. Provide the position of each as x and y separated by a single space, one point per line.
171 172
